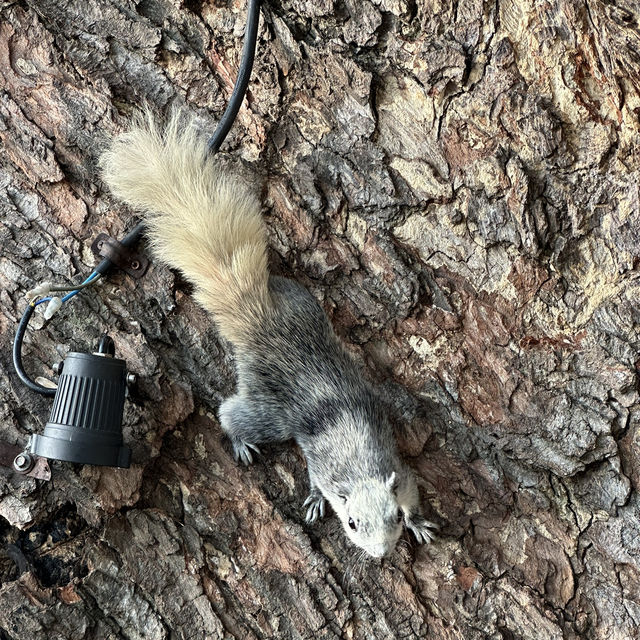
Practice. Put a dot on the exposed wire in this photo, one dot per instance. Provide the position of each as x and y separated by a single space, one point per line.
73 289
24 322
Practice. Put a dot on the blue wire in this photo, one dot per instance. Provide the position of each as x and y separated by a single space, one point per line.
75 292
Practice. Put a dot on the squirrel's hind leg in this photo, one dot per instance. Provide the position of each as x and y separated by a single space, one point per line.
248 423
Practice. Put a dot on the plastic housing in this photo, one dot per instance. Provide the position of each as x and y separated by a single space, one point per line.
85 425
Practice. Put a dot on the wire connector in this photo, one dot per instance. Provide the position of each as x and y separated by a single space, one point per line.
52 307
43 289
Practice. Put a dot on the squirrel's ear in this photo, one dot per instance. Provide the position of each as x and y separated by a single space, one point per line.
392 481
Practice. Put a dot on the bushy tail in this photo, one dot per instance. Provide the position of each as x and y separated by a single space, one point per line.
199 221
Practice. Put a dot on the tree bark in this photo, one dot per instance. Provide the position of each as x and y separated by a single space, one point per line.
457 183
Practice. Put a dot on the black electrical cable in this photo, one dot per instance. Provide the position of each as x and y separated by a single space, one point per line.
214 143
242 81
17 354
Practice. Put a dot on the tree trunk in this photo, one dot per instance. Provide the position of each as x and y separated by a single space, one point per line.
457 183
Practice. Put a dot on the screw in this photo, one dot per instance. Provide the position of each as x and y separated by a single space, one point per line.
57 368
132 378
100 244
23 462
135 265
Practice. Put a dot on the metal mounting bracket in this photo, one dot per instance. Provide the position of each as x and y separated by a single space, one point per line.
22 462
130 261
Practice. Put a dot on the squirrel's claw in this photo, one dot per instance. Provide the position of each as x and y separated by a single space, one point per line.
422 529
316 506
242 452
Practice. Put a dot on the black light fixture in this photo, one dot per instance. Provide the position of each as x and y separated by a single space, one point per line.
86 418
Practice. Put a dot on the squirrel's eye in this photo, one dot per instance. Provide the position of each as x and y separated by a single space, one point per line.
352 524
400 514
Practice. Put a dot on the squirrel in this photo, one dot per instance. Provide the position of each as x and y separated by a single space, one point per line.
294 377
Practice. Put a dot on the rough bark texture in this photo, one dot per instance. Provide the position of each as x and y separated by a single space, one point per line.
457 182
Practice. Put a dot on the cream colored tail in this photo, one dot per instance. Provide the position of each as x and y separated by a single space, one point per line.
203 223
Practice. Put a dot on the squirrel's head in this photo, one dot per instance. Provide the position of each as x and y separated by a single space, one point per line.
371 515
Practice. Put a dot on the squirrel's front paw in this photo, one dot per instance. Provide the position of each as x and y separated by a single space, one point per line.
422 529
242 451
315 503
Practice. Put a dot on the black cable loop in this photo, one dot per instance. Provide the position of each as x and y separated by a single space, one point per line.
17 354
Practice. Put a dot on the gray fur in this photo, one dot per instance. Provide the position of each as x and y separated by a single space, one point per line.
295 380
